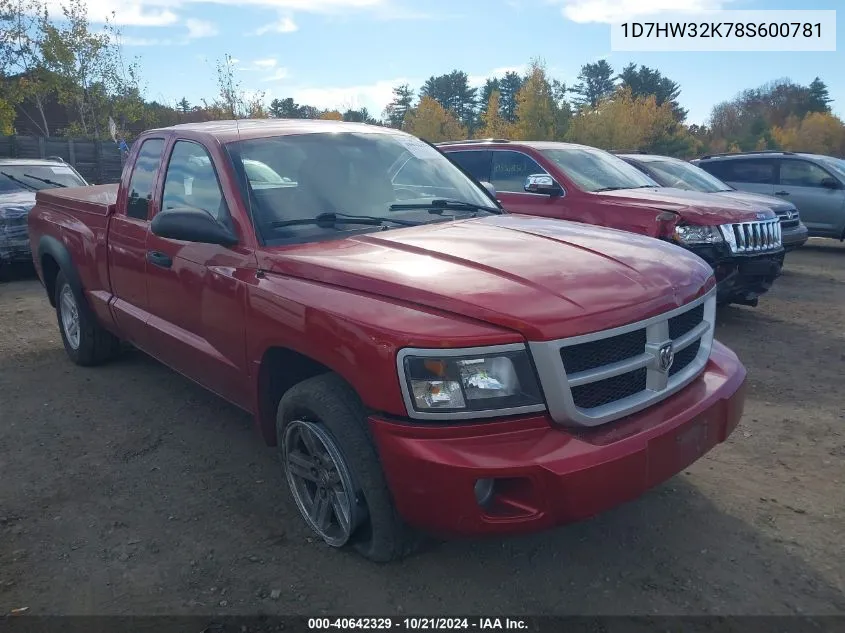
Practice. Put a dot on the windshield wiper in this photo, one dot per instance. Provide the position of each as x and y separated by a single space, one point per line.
620 188
438 205
19 181
44 180
331 219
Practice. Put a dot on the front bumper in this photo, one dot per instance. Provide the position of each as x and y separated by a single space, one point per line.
794 237
546 475
741 278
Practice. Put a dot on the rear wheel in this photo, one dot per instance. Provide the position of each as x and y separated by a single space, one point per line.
334 473
86 341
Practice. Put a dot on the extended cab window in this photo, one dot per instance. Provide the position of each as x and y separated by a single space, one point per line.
800 173
141 182
474 162
510 169
191 181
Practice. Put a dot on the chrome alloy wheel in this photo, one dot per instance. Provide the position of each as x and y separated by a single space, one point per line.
320 482
70 316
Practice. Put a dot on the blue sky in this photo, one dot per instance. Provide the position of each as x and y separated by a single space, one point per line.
349 53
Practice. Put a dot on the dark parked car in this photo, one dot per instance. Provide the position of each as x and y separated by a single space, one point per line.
20 178
674 172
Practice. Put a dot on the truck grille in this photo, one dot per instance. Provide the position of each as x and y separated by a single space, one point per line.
753 237
789 218
599 377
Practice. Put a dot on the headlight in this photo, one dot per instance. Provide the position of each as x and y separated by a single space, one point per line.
692 234
470 383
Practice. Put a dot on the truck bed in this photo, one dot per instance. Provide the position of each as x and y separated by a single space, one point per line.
94 199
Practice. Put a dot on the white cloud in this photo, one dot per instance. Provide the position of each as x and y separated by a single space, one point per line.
609 11
200 28
373 96
270 62
278 75
126 12
476 81
282 25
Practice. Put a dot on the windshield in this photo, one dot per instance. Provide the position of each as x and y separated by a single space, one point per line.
683 175
597 170
836 165
374 174
32 177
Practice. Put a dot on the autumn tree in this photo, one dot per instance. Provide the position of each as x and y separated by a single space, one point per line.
233 102
432 122
492 123
595 82
331 115
818 132
536 114
628 122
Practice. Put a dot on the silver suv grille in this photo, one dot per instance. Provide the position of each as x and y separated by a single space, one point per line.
595 378
752 237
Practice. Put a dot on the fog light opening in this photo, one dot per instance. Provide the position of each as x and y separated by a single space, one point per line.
484 491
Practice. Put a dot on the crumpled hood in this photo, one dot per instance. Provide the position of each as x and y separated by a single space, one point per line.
15 201
694 207
542 277
758 200
14 231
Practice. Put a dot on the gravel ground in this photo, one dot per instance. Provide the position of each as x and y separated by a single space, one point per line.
127 489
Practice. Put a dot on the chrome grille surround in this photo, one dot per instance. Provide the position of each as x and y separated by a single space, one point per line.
658 383
789 218
752 237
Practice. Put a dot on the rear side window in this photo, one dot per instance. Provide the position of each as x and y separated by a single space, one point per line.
510 169
475 163
760 172
801 173
141 182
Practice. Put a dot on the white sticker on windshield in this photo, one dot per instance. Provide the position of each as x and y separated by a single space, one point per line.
62 170
419 149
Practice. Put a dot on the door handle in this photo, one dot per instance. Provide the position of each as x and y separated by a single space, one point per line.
158 258
781 193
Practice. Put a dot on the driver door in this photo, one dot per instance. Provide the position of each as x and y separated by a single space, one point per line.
196 292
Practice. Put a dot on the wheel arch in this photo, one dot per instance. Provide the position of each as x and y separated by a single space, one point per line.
54 257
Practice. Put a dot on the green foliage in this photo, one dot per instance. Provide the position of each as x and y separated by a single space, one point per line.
453 92
403 101
645 81
595 82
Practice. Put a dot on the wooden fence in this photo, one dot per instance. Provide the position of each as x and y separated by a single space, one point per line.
99 162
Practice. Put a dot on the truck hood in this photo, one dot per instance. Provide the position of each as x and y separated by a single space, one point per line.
541 277
758 200
694 207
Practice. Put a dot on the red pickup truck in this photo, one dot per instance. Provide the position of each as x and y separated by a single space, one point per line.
742 242
423 361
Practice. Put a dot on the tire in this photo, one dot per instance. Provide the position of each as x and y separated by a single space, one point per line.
330 405
93 345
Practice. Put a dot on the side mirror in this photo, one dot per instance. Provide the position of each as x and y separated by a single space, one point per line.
489 187
542 183
191 225
830 183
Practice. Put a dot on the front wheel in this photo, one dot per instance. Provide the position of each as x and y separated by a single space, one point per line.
334 473
86 341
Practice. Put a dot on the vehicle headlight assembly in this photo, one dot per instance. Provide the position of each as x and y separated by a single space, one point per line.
469 383
694 234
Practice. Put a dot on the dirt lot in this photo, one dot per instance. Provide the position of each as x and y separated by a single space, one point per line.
128 490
